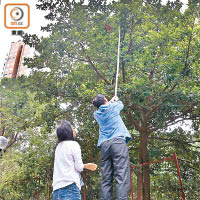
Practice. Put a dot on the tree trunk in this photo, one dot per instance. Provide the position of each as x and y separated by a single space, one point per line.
139 186
146 182
48 187
144 158
123 71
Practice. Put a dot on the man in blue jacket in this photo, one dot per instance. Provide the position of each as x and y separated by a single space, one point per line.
113 136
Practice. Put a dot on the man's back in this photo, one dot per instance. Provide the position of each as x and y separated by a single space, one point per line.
110 122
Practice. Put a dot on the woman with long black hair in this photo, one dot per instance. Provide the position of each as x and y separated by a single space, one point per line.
68 165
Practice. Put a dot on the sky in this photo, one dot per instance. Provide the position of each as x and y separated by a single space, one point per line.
36 21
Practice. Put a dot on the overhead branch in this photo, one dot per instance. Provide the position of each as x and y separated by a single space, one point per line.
171 89
79 59
175 121
157 105
186 59
13 141
123 70
114 75
174 140
134 106
188 48
181 120
123 61
130 37
153 68
129 50
189 110
133 121
102 76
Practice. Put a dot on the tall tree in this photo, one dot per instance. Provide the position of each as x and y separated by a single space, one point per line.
159 64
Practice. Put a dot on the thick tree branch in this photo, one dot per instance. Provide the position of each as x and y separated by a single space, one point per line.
173 120
123 70
189 110
181 120
131 42
153 68
13 141
188 48
171 89
174 140
79 59
93 66
134 106
129 51
133 121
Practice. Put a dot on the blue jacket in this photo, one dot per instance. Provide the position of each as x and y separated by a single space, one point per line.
110 122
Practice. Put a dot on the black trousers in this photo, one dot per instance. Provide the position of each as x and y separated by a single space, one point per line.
115 162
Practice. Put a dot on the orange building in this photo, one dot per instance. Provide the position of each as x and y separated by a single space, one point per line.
13 66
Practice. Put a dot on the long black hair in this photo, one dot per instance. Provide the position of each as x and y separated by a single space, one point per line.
64 131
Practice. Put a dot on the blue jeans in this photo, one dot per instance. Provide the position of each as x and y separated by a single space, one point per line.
70 192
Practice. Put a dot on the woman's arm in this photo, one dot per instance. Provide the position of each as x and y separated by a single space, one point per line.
78 163
79 166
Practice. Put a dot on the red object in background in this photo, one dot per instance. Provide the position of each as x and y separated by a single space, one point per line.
108 28
174 158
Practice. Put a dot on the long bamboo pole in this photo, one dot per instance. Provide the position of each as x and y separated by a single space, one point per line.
117 73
